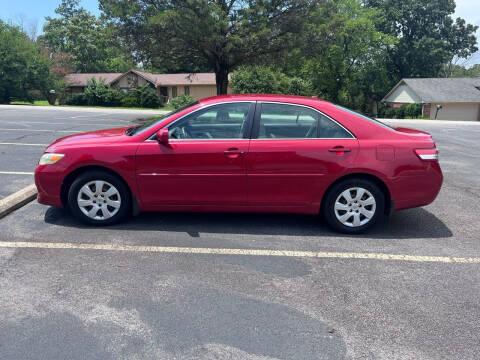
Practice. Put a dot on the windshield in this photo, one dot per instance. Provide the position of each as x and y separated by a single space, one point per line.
365 117
151 123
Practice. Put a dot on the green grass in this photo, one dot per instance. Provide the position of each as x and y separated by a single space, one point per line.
35 103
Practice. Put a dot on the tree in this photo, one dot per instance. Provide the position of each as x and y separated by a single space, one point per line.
460 71
22 67
85 38
221 34
427 36
344 49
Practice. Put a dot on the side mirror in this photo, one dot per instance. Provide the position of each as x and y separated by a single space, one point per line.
162 136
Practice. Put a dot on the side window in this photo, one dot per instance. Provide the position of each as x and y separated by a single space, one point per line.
223 121
281 121
328 129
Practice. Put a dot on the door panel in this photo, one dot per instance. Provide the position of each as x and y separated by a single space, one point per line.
193 172
204 162
296 153
294 172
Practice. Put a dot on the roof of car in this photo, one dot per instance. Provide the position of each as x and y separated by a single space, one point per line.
264 97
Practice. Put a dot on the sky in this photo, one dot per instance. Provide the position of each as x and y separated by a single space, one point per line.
34 11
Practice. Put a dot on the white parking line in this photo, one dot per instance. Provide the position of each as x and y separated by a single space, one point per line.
41 130
22 144
245 252
61 123
16 173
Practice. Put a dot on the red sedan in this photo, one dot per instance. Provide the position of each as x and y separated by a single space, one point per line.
249 153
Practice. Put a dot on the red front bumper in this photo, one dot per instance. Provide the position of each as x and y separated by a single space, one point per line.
49 184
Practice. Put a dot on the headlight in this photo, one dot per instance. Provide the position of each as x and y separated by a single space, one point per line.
49 158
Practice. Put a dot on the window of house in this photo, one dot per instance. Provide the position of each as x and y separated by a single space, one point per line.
174 91
222 121
186 90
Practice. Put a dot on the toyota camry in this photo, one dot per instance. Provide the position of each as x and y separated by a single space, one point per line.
245 153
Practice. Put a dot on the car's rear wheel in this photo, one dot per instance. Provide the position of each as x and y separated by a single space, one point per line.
353 206
99 198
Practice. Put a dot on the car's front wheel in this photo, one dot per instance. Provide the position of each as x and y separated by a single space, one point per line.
353 206
99 198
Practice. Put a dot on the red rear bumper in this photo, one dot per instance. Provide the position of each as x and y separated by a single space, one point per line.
417 190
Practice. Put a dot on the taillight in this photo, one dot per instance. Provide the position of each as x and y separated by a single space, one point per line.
427 154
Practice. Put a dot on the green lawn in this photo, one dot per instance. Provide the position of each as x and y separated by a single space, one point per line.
45 103
35 103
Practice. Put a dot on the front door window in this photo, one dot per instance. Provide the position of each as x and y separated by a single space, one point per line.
224 121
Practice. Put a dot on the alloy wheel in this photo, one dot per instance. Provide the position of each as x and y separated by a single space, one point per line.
99 200
355 207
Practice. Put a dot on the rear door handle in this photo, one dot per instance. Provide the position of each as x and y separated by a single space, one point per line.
233 152
339 150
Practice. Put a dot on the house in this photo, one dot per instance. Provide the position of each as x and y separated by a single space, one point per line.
197 85
441 98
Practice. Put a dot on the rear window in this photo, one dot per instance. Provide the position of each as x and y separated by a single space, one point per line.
365 117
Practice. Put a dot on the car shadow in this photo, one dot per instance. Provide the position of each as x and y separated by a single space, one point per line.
413 223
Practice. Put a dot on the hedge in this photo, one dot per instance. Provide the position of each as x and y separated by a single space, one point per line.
96 94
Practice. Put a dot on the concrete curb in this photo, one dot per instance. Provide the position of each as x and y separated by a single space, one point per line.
430 122
17 200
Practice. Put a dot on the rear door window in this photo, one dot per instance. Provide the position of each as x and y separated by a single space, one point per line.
285 121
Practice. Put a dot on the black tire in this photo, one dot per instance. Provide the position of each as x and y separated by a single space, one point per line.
108 179
330 214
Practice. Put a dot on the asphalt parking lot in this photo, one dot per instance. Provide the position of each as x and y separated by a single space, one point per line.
240 286
25 131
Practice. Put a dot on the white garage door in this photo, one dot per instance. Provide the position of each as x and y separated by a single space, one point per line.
465 111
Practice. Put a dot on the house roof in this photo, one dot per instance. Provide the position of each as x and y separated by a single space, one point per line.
82 79
156 79
431 90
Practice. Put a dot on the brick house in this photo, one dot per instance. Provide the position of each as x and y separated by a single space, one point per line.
454 98
197 85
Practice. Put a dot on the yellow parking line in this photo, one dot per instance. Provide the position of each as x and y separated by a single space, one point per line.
22 144
16 173
246 252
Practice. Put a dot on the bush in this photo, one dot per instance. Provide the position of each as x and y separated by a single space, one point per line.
76 99
130 101
95 92
113 97
147 97
389 113
413 111
298 86
265 80
181 101
255 80
407 111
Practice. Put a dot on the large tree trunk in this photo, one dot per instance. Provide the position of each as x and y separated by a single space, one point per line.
221 77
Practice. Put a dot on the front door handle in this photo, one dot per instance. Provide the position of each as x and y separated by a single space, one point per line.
339 150
233 153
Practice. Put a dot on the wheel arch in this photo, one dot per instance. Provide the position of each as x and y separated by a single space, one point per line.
361 175
70 178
